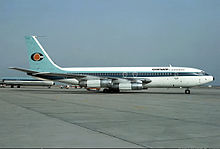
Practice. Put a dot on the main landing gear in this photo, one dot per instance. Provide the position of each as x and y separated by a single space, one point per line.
187 91
111 90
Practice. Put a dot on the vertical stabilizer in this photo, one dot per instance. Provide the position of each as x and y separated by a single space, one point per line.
38 58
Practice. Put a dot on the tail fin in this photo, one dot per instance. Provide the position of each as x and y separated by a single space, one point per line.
38 58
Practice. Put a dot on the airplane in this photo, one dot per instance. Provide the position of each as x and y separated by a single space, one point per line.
111 79
20 81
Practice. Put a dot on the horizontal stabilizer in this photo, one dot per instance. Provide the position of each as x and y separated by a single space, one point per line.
23 70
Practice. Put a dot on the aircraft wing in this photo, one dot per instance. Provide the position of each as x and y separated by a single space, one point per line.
67 75
137 80
48 75
43 74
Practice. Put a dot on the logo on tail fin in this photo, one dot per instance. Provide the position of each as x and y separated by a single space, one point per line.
37 57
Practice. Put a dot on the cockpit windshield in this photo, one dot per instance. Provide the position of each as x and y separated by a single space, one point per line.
202 73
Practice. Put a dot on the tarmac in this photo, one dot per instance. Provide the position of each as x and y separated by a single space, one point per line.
42 117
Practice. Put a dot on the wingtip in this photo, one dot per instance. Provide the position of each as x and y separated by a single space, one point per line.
11 67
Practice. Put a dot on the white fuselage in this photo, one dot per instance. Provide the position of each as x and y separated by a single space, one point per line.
159 76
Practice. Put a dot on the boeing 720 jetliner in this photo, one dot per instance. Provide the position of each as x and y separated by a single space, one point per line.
111 79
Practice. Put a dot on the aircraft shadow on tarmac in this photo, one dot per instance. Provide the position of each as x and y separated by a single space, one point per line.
50 91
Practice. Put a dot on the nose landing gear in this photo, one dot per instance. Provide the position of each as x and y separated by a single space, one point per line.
187 91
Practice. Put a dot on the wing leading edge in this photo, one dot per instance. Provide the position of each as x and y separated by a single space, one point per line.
57 76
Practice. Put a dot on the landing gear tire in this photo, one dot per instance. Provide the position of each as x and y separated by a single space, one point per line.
187 91
105 90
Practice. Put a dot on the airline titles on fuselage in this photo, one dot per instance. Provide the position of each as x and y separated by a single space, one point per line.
165 69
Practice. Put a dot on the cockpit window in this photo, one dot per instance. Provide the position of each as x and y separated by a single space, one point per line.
205 74
202 73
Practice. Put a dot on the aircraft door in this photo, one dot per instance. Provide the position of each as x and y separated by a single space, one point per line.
176 76
177 81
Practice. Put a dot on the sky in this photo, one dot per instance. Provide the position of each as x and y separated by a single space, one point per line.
184 33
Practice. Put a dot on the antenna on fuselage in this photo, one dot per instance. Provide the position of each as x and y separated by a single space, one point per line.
170 65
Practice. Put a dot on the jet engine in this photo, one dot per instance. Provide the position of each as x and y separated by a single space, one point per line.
128 86
115 85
